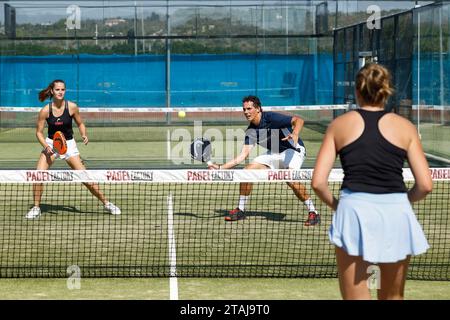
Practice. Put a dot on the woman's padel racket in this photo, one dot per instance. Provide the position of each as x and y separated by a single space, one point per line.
59 143
201 150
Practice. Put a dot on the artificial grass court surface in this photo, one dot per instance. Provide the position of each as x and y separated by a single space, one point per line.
200 289
74 230
271 242
146 146
138 147
115 147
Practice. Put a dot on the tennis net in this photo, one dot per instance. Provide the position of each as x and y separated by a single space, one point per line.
172 224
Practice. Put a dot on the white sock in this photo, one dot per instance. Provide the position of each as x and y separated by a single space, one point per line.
242 202
310 205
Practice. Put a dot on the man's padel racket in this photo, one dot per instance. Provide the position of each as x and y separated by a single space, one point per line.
201 150
59 143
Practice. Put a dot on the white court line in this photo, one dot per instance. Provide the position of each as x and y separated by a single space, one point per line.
172 251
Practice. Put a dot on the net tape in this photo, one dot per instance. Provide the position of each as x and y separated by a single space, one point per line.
188 176
187 109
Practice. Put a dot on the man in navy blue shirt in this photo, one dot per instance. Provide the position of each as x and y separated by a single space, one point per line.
279 134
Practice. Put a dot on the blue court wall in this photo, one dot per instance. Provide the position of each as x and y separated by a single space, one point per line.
200 80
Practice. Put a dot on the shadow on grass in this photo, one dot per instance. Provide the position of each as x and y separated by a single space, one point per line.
273 216
59 209
221 213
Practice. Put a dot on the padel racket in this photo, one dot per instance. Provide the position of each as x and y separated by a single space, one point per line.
201 150
59 143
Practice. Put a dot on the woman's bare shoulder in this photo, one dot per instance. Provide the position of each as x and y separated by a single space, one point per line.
72 104
45 110
73 107
399 122
343 120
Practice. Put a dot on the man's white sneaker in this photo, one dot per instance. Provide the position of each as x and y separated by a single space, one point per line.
112 208
33 213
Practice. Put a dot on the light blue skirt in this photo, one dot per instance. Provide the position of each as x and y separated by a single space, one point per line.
382 228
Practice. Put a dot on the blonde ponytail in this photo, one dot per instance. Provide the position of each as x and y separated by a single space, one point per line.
373 83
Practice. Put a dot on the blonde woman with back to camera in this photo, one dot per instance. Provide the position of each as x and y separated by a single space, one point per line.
373 222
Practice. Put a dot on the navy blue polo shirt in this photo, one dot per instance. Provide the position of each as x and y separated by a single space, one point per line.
272 128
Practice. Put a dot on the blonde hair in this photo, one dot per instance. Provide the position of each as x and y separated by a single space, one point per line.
373 83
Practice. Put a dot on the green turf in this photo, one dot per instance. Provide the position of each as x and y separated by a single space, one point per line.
75 230
200 289
146 146
272 241
139 147
294 289
79 232
435 139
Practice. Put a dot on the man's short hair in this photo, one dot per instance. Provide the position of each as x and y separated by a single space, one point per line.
254 99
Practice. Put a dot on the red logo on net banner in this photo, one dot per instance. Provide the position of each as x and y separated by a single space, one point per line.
440 173
209 175
289 175
125 175
49 176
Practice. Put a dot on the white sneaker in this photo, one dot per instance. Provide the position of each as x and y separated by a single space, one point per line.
112 208
33 213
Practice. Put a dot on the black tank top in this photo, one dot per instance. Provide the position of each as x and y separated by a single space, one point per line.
62 123
371 163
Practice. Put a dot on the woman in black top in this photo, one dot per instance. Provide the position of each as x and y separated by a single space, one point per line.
374 222
59 114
